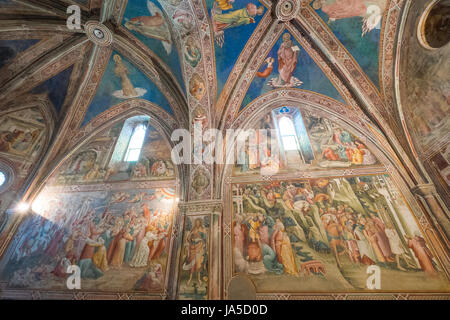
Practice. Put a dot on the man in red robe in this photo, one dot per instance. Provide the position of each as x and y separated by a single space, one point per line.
423 254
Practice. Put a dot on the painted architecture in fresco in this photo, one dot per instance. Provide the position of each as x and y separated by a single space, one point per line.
321 234
350 168
297 140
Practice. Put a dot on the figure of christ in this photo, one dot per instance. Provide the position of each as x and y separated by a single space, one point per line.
287 60
122 71
141 225
236 18
366 253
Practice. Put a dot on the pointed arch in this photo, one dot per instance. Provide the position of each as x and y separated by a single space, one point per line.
159 119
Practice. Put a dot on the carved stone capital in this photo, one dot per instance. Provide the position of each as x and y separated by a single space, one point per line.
424 190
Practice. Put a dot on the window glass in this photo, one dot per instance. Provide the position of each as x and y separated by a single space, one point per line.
287 127
135 144
288 134
2 178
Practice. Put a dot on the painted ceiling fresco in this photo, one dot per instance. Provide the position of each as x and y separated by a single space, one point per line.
150 24
233 24
288 65
56 88
122 81
357 24
331 191
22 133
10 48
102 158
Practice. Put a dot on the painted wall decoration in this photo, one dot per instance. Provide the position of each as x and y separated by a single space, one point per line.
103 158
22 133
197 87
194 271
119 239
121 81
425 94
192 52
201 180
9 49
320 235
436 26
319 144
288 65
357 25
233 24
150 24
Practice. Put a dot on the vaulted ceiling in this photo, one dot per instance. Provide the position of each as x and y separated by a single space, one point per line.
209 59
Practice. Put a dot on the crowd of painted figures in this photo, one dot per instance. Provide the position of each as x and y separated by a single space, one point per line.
275 219
136 237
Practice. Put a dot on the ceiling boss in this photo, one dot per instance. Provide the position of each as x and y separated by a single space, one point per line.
287 10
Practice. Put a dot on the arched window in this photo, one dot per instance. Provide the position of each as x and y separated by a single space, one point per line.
2 178
288 134
434 25
135 144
